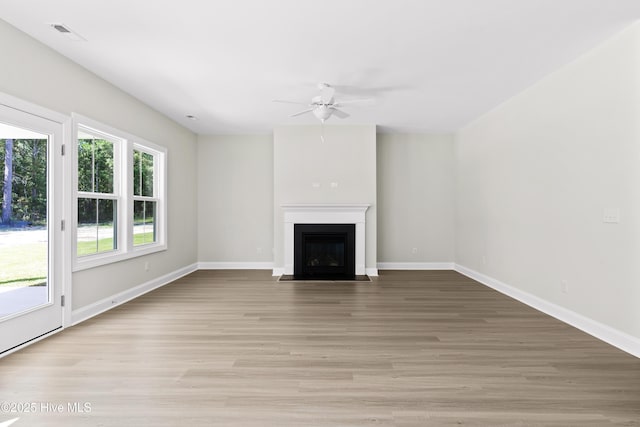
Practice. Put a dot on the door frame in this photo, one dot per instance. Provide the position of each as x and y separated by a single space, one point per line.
65 191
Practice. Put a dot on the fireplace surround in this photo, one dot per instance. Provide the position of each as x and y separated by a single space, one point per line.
319 214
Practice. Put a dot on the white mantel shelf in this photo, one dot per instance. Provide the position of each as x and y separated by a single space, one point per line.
329 213
300 212
360 207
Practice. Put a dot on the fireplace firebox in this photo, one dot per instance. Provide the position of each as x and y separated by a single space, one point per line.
324 251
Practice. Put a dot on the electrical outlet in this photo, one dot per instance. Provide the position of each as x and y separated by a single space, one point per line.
484 260
146 266
259 250
414 250
564 286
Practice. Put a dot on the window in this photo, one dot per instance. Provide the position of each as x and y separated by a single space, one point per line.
144 201
120 195
98 192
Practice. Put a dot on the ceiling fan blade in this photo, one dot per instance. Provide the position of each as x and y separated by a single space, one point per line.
302 112
289 102
351 101
326 93
339 113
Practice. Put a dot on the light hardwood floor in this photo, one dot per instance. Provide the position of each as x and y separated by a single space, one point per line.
237 348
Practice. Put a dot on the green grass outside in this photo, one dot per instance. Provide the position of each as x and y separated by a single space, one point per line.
106 245
23 265
26 264
89 247
143 238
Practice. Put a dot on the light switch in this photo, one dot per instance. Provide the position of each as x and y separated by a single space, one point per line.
611 216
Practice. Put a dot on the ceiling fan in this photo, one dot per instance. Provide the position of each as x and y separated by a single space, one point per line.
324 105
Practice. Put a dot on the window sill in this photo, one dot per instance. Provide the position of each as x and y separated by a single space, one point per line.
98 260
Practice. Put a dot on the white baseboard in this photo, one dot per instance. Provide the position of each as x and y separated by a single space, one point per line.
616 338
235 265
416 266
278 271
105 304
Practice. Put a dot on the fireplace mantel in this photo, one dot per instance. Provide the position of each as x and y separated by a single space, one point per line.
333 213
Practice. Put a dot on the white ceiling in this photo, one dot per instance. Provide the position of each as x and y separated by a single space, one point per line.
429 65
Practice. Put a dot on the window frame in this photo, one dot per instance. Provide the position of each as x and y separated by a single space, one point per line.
123 194
159 194
116 193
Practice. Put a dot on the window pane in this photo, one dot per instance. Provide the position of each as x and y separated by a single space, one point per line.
85 165
142 174
103 166
96 226
147 175
144 225
137 173
95 164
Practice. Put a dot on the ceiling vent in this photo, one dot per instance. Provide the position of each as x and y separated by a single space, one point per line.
67 32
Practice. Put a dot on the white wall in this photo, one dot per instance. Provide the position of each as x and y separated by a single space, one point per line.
416 199
235 199
35 73
346 157
535 175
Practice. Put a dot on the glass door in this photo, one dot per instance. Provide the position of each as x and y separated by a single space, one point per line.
30 227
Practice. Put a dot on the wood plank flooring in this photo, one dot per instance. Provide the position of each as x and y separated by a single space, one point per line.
238 348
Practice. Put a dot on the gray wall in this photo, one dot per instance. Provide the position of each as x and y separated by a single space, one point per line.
235 198
416 198
535 176
35 73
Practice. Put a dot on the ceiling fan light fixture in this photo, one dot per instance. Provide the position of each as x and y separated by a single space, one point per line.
322 112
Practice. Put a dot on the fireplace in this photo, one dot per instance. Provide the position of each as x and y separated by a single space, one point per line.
324 251
323 214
